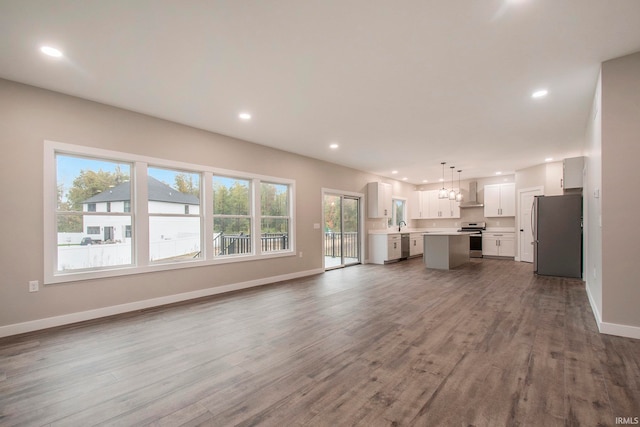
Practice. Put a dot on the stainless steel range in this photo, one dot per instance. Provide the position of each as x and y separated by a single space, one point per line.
475 240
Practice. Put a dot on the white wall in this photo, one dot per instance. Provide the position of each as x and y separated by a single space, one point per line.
592 206
620 206
31 115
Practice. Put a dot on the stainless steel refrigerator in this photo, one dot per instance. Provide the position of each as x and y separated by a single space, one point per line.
557 235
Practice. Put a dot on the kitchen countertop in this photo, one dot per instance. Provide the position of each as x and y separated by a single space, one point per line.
448 233
411 230
500 230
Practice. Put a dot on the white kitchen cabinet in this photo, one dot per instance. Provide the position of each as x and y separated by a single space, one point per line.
416 244
498 244
379 200
441 208
500 200
384 247
572 172
418 205
394 247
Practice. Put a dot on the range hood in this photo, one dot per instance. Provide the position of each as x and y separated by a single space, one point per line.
472 200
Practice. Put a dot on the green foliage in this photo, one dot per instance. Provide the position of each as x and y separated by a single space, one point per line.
184 184
332 214
89 183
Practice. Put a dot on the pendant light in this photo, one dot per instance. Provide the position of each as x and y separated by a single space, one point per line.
459 195
452 192
443 193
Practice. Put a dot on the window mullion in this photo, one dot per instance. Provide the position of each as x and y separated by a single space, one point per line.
256 210
206 210
140 213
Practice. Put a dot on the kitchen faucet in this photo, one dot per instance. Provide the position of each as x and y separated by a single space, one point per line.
400 225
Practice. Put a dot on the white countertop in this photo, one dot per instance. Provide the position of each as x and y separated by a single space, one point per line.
448 233
411 230
500 230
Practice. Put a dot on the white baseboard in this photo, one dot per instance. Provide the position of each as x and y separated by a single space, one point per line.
620 330
66 319
611 328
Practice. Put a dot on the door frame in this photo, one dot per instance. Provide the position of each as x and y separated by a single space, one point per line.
341 193
539 189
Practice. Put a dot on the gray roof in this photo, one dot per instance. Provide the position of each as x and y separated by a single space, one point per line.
158 192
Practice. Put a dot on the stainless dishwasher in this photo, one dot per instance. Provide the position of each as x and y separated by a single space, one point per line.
404 245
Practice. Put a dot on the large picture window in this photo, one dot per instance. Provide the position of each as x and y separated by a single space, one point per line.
275 218
114 213
231 216
90 215
174 214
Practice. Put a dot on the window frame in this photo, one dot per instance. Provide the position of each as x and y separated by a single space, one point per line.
394 218
140 214
251 216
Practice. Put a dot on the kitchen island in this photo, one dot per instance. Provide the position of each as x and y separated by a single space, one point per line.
446 250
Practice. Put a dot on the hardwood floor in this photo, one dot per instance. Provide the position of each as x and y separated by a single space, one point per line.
488 344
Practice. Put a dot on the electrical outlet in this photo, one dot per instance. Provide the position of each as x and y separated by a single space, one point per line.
34 286
300 254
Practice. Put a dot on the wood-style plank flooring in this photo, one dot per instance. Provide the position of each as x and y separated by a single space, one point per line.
487 344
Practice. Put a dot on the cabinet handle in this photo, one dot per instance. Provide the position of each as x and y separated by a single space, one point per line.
395 245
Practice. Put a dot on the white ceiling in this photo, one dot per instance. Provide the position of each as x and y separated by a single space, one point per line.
400 85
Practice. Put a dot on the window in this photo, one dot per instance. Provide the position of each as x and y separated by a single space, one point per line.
174 214
399 212
231 216
275 218
94 230
130 214
85 189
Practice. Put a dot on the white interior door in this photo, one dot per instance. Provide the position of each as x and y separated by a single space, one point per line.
525 237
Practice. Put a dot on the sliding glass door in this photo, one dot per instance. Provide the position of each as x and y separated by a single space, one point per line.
341 230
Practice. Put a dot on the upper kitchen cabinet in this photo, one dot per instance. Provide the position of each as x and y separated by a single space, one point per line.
379 200
418 205
572 172
440 208
500 200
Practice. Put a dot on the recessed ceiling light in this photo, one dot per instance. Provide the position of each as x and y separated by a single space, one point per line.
424 180
244 116
333 146
498 173
441 179
540 93
51 51
405 178
394 172
548 159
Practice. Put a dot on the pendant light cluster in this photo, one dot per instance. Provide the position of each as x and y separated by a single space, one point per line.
443 193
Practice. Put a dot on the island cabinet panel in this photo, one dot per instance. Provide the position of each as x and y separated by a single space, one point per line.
445 250
500 200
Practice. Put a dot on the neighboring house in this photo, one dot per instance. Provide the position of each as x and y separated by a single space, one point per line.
163 199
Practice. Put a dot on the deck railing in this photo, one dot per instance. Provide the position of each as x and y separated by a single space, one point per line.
332 247
229 244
